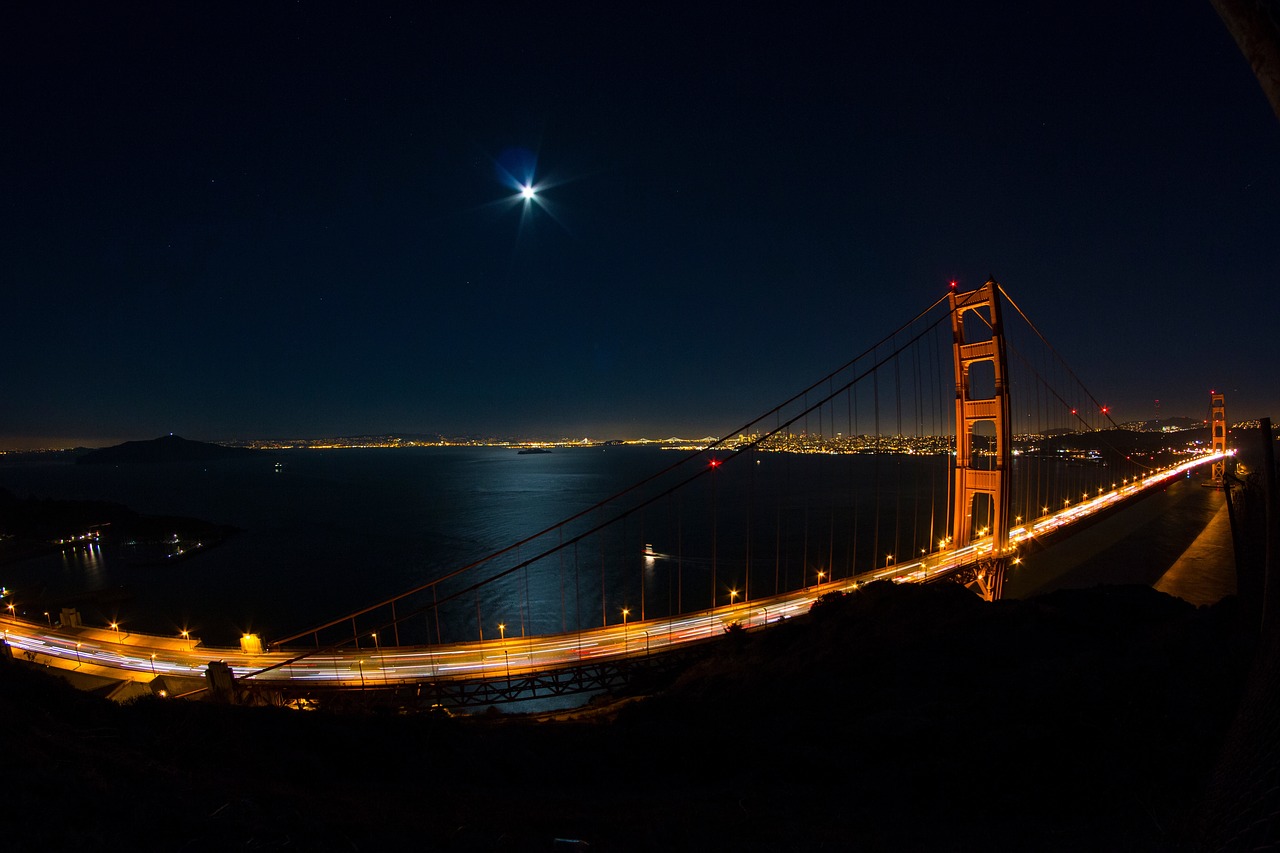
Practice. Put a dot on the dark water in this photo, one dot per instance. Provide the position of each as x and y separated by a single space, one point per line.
336 530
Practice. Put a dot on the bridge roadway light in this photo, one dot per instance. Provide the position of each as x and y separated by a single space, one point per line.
888 558
733 593
625 613
78 661
502 631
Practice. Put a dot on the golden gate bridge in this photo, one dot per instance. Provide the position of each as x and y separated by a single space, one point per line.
889 468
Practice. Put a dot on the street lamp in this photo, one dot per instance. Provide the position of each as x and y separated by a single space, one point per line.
115 626
888 558
48 618
78 661
13 614
733 593
153 664
821 575
186 635
502 631
382 661
625 614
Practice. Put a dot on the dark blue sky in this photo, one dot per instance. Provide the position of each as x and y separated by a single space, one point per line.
228 222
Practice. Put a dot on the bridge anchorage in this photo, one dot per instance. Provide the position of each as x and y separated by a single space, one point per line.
984 435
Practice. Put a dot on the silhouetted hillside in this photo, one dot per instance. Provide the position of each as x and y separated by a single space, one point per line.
168 448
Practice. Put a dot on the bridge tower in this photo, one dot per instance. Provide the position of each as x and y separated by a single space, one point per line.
985 473
1218 432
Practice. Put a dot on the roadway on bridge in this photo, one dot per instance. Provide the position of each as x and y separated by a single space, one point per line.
1136 544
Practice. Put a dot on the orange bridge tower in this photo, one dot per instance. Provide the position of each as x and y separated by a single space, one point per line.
981 478
1218 431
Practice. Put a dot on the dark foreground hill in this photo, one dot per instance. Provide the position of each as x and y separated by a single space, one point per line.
897 718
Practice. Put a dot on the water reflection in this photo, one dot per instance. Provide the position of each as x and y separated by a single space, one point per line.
85 561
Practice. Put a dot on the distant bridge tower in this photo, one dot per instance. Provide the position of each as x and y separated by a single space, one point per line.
1218 431
989 480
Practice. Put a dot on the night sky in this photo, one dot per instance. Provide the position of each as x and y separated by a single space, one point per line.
289 220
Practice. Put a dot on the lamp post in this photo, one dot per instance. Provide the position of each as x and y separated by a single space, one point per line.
888 558
153 664
733 594
78 661
382 661
115 626
13 614
186 635
625 614
48 618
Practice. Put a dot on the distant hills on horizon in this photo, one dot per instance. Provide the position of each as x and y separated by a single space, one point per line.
175 448
166 448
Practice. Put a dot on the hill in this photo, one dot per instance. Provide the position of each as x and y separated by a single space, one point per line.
167 448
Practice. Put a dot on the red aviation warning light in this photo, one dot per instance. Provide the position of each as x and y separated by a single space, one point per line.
715 463
953 284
